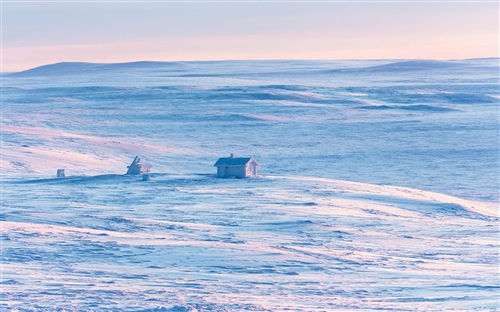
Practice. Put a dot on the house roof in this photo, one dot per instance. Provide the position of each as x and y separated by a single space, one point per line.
233 161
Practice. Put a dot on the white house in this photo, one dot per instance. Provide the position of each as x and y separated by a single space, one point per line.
239 167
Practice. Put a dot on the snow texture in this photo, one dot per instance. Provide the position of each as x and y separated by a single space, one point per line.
378 187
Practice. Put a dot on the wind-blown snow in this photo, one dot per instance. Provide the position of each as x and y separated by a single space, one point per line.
378 187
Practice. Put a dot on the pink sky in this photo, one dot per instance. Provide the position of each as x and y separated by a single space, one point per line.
40 33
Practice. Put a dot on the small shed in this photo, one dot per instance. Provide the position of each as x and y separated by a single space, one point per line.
136 167
238 167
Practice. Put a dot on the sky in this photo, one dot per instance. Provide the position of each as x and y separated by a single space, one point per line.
35 33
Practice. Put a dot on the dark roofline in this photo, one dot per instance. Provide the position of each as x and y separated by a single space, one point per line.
234 162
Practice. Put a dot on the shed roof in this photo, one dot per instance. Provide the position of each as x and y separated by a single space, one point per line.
233 161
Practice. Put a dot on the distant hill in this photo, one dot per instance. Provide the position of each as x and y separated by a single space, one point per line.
413 65
282 67
68 68
402 66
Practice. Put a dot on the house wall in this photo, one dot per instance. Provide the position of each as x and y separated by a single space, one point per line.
236 171
251 169
221 171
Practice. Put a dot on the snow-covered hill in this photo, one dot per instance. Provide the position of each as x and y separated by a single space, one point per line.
378 186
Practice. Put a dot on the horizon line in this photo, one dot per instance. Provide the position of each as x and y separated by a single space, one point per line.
254 60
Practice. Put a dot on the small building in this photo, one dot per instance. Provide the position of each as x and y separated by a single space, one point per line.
238 167
136 167
61 173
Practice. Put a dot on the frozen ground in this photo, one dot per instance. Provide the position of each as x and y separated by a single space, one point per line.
301 237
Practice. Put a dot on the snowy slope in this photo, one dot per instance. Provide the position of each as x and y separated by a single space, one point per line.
378 187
